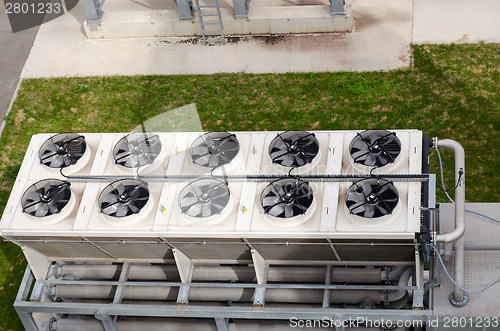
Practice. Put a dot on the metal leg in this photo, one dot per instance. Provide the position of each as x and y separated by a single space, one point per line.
328 281
92 13
241 8
185 9
26 317
221 324
338 7
106 320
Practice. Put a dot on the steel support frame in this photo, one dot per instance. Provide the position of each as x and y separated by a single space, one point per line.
104 312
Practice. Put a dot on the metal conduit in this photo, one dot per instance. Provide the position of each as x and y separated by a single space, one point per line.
231 294
155 324
233 274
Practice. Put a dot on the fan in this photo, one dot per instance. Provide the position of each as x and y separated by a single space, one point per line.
286 198
62 150
371 198
137 149
375 148
294 148
123 198
46 197
204 198
214 149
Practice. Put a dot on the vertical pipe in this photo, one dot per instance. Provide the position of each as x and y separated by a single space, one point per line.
457 298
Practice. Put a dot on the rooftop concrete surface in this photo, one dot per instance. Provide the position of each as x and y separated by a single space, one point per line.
380 42
384 31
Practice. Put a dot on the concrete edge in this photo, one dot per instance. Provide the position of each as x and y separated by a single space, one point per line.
11 104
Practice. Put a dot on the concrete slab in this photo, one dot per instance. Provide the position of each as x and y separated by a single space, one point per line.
456 21
381 42
15 48
481 267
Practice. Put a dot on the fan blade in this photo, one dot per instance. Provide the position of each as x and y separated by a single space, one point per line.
287 160
361 145
289 211
214 161
269 201
194 210
280 145
206 211
188 201
367 189
53 207
121 155
33 196
360 155
371 160
51 148
369 211
389 140
57 161
209 141
133 208
203 160
200 150
120 189
355 197
396 199
299 160
122 210
382 210
373 138
276 210
382 159
382 188
41 210
109 198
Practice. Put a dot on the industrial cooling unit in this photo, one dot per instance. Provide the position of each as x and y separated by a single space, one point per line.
222 230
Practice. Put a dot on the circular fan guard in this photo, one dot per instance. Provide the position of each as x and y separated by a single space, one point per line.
137 149
371 198
62 150
375 148
214 149
46 197
204 198
294 148
123 197
286 198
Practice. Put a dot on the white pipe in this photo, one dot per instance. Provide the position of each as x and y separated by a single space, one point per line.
233 273
459 191
482 245
457 234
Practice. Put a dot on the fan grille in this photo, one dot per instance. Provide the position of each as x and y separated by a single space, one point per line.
372 198
294 148
62 150
46 197
137 149
375 148
123 198
286 198
204 198
214 149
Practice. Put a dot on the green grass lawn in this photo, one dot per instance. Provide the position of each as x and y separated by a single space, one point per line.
452 92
